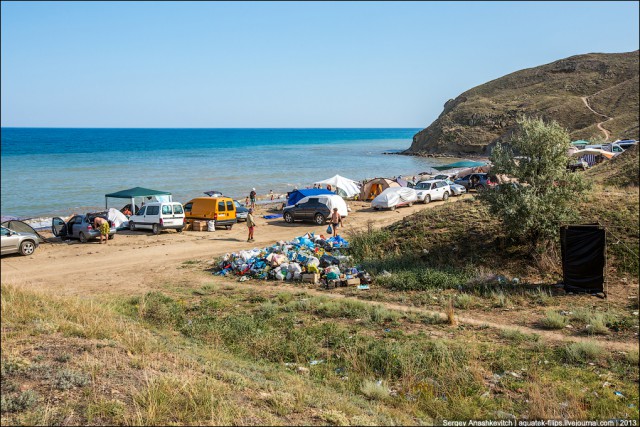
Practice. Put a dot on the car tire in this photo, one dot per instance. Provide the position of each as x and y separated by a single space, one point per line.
228 227
179 230
445 196
132 226
83 237
27 247
155 229
427 199
319 219
288 218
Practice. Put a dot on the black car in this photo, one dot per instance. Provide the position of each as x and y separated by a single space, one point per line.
310 209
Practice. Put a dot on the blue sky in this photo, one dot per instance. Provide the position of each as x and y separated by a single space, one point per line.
284 64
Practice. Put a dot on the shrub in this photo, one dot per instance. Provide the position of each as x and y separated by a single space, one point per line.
374 390
67 379
463 301
582 352
554 320
537 158
20 402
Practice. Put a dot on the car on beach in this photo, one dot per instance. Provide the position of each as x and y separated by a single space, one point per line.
157 216
241 211
475 181
14 242
456 189
433 189
80 227
394 197
310 210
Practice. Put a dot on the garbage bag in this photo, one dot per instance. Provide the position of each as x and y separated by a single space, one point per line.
326 260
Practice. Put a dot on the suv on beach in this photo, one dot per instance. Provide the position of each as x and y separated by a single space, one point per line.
433 189
14 242
158 216
475 181
311 210
81 227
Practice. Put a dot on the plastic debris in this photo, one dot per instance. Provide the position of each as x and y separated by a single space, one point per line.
316 362
617 393
307 254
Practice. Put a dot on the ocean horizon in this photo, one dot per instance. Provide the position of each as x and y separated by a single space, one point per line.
56 171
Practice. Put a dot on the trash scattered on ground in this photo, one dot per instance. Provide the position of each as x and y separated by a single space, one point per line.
308 258
617 393
316 362
363 287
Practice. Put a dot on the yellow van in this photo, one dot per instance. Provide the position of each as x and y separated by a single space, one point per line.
221 209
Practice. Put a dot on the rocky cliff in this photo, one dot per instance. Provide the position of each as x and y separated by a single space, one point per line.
578 92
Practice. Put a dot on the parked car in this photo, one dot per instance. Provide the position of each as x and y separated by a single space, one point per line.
221 209
433 189
626 143
475 181
80 227
394 197
13 242
157 216
241 211
309 210
456 189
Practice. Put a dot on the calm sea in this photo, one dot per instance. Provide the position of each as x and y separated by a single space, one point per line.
49 172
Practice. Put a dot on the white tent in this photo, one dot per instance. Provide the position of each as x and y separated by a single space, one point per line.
344 187
118 218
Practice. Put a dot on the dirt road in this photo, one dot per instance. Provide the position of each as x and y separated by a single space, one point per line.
135 262
607 134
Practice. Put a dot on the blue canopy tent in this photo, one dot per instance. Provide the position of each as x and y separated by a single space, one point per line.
297 195
459 165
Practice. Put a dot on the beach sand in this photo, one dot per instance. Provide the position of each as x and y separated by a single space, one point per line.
137 262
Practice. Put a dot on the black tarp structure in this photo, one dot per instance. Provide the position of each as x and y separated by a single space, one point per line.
583 258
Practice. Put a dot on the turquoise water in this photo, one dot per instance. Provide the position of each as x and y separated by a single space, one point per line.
58 171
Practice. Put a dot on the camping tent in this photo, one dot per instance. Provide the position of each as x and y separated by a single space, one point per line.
134 192
295 196
458 165
119 219
376 186
345 187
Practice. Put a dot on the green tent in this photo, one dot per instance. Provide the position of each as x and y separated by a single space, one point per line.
458 165
134 192
580 142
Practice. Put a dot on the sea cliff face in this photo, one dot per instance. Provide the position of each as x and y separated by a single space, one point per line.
472 123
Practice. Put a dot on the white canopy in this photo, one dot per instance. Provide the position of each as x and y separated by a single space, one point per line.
343 186
594 151
394 196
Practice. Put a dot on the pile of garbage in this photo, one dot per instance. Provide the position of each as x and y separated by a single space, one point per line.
291 260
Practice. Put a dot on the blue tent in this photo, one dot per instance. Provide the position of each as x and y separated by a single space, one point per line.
297 195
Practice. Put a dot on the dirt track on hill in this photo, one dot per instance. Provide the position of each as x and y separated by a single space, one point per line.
137 262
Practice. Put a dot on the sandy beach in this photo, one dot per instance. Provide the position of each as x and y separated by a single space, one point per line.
136 262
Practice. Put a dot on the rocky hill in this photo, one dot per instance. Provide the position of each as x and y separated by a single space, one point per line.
580 92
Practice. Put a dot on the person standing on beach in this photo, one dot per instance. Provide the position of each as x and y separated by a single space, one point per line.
336 219
102 225
271 194
250 225
252 196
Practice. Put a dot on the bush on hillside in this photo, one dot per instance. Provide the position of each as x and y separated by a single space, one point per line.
537 157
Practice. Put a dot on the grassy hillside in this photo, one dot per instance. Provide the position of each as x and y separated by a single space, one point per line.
256 353
472 122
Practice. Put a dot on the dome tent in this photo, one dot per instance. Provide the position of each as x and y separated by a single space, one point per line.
344 187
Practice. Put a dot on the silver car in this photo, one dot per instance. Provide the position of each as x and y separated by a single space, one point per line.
80 227
456 189
14 242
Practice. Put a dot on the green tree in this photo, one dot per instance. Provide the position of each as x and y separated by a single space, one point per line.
537 158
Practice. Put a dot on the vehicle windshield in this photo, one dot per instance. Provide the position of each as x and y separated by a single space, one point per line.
422 186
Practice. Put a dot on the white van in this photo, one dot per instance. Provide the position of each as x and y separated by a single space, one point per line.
156 216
